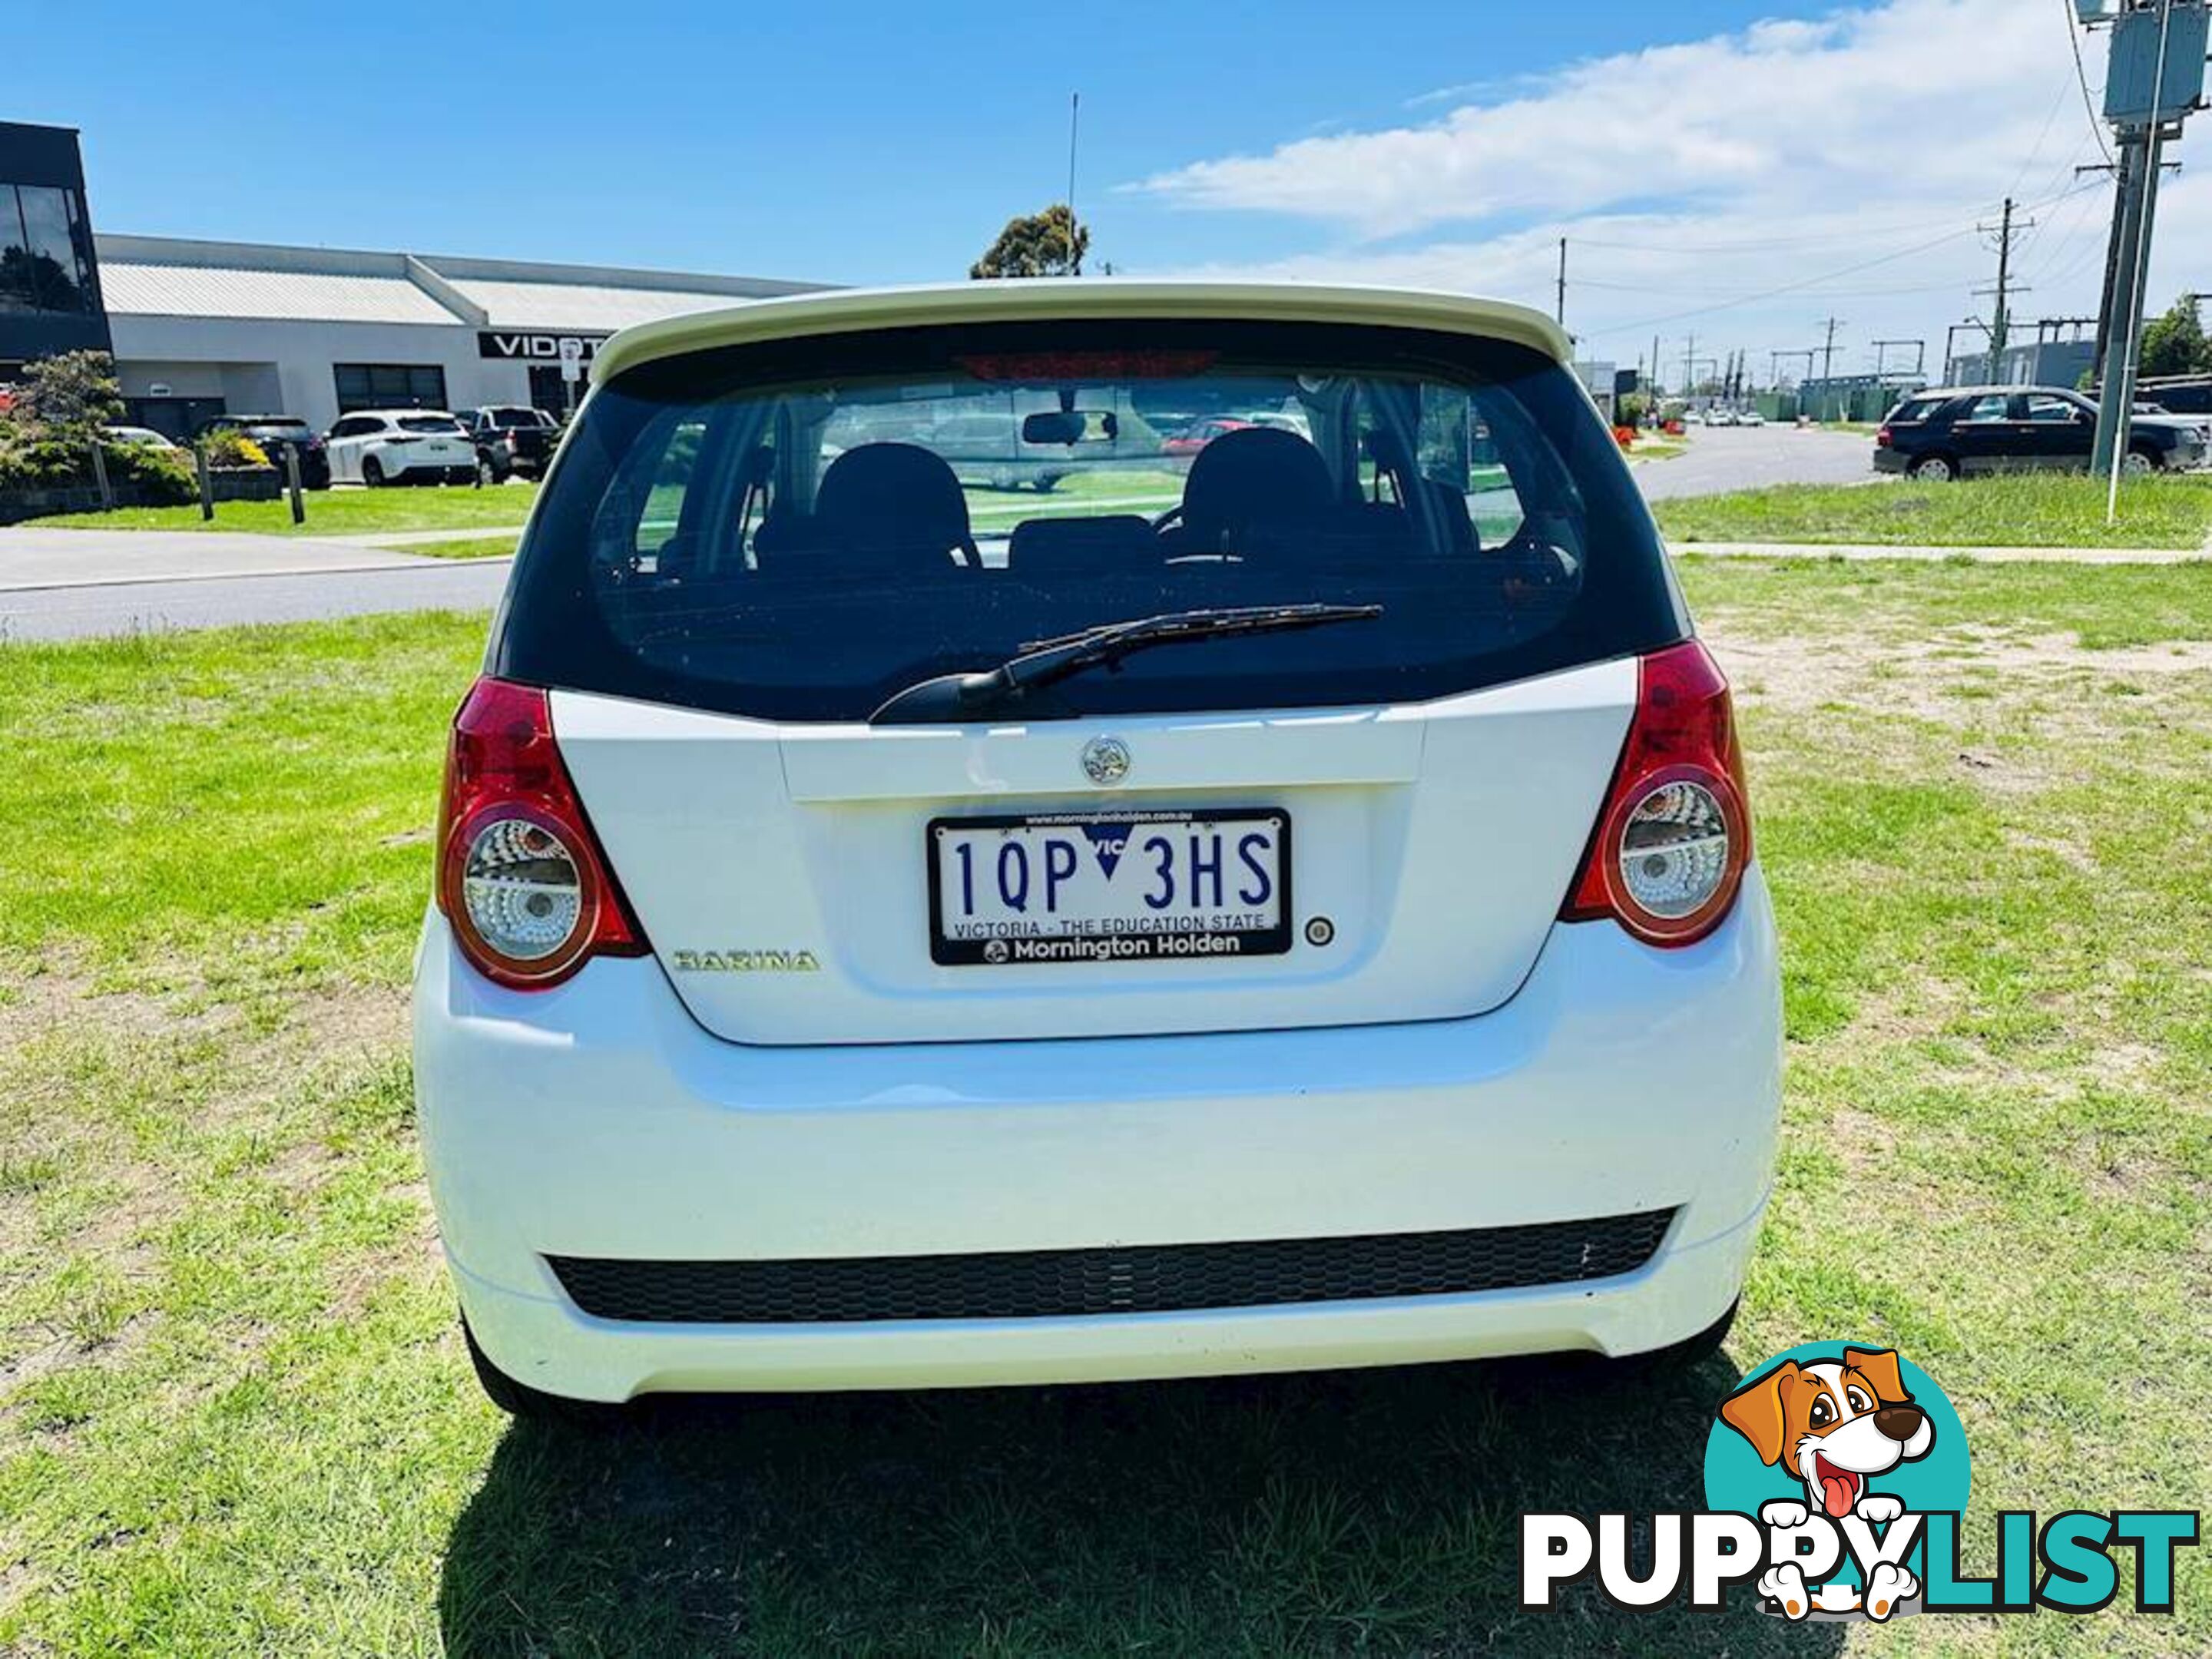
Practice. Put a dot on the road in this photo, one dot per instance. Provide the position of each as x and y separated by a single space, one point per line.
75 583
1749 457
62 613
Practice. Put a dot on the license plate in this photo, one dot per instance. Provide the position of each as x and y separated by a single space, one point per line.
1110 887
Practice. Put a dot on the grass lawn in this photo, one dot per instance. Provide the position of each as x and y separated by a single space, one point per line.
330 512
235 1414
462 547
2015 510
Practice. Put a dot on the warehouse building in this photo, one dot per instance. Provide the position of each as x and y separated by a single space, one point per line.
202 329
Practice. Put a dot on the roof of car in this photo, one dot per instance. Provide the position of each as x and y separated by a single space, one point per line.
1984 390
1069 298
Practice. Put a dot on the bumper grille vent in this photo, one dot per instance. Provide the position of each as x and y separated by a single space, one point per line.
1135 1279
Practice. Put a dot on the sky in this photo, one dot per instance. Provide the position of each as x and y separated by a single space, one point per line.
1733 170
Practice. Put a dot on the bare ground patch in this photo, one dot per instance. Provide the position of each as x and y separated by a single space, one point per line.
171 1076
1923 677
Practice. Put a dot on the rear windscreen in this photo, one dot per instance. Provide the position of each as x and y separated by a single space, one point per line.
798 530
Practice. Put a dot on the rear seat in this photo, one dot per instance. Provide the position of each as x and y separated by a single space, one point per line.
1081 547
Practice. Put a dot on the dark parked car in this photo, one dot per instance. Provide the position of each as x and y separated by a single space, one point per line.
1949 433
511 441
276 434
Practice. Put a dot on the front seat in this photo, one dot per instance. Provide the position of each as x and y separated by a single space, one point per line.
888 507
1253 477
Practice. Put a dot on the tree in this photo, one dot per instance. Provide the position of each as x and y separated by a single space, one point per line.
71 395
1048 244
2175 343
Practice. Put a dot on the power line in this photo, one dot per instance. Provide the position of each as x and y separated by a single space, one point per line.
1797 287
1951 286
1856 234
2081 76
2036 149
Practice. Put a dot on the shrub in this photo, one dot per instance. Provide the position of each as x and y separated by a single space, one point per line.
164 476
226 446
52 419
71 394
37 460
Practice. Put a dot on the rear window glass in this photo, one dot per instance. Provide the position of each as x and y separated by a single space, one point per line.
428 424
800 530
514 416
1918 409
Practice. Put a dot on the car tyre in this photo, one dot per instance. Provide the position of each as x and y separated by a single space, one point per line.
372 473
1936 469
525 1404
2138 463
1047 483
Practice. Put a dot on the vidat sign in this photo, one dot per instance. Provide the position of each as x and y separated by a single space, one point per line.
532 346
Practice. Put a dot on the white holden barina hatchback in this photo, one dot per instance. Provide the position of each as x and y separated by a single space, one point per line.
1284 901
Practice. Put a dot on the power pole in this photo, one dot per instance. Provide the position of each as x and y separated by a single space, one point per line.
1689 357
1654 366
1074 113
2006 230
1828 369
2126 171
2144 115
1559 304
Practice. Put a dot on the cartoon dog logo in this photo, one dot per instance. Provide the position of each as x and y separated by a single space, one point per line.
1834 1425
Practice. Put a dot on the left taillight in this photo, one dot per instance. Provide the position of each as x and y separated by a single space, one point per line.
521 875
1674 837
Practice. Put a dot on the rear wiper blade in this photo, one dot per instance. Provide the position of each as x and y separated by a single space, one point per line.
1013 683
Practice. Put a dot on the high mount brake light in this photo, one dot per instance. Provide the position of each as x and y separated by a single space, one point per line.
521 875
1048 368
1674 839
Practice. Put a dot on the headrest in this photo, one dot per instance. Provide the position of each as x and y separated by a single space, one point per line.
1255 475
890 496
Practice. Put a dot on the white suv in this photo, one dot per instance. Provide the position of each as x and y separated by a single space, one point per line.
1300 913
376 447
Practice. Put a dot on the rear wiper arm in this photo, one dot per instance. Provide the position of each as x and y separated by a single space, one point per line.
1014 683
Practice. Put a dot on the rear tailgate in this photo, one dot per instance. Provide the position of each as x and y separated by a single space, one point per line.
782 873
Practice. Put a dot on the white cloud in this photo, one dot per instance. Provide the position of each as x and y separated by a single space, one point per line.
1783 155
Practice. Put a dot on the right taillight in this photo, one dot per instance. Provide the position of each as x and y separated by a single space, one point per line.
1881 438
520 876
1674 836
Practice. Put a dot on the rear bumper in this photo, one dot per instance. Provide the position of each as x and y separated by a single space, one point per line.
397 461
600 1121
1891 460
